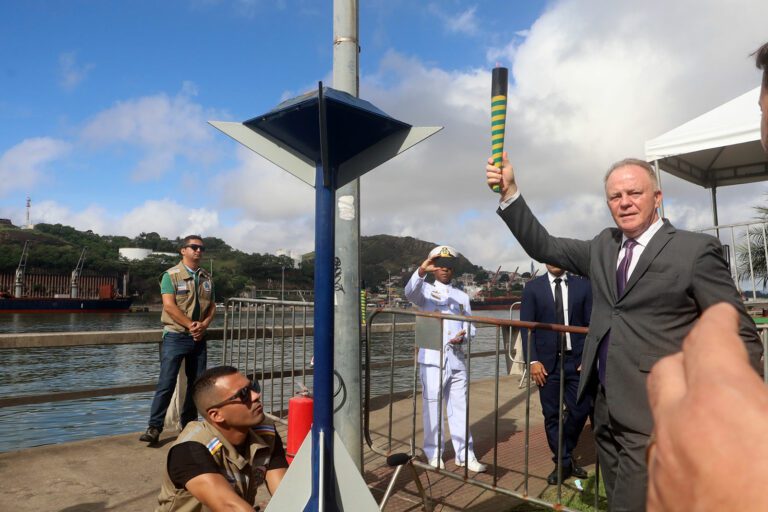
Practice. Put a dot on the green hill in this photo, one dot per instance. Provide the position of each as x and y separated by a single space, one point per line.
383 254
54 248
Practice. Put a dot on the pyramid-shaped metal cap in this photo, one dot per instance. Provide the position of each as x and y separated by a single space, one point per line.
359 136
352 125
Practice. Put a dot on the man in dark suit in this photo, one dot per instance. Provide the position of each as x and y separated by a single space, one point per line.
650 282
558 298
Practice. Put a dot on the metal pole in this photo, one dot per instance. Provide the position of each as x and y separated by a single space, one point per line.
658 179
714 209
282 283
348 417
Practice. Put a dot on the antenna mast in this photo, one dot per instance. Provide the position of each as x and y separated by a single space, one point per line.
28 224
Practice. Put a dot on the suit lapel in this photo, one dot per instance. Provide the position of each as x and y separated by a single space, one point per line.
546 291
657 243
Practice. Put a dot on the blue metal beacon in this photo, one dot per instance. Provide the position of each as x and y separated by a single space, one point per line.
326 139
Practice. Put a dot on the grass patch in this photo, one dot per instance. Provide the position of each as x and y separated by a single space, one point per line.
571 497
579 500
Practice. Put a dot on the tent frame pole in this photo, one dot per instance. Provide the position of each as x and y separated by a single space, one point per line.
658 180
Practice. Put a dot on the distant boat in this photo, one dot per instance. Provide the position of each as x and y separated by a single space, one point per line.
63 305
498 302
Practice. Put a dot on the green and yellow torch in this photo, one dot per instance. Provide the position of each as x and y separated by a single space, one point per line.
498 115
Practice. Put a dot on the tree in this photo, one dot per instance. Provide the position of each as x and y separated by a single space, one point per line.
750 253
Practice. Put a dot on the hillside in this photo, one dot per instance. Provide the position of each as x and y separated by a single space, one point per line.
381 254
55 248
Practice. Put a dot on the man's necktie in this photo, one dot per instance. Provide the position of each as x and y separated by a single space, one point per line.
559 313
622 274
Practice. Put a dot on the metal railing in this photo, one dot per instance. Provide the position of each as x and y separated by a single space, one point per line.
270 340
498 353
746 251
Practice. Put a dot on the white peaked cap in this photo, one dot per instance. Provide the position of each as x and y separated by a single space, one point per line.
443 251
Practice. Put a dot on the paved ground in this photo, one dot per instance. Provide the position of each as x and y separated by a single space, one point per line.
118 473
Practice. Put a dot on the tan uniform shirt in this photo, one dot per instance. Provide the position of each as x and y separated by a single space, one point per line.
244 474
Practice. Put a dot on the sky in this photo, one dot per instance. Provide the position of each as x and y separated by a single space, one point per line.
104 110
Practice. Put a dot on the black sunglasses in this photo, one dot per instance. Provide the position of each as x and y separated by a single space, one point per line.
195 247
242 396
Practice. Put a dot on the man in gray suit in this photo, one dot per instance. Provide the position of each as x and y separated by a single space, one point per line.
650 283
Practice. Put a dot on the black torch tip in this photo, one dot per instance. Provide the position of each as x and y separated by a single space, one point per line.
499 81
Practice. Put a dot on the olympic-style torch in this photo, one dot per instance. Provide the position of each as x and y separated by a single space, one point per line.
498 115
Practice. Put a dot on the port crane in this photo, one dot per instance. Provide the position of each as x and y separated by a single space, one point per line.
494 278
75 281
18 282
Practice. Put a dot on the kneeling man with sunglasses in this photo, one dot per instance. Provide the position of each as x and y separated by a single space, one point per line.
220 462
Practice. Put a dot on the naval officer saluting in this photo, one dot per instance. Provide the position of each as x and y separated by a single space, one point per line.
441 297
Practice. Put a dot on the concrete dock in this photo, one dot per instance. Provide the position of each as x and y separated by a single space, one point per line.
118 473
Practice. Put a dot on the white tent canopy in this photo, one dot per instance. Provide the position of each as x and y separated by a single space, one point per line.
719 148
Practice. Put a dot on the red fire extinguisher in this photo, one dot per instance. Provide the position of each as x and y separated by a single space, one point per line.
300 409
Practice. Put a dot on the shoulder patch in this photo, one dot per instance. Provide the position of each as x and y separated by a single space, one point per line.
214 445
174 271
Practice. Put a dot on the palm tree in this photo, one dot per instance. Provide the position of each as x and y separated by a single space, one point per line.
752 253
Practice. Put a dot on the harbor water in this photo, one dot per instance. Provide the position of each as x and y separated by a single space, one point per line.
35 371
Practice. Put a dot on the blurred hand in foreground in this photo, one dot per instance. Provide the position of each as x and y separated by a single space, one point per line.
710 410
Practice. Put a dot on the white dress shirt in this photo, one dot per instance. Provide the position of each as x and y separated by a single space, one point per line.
642 242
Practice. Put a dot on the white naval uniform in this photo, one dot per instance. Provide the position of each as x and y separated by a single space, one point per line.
442 298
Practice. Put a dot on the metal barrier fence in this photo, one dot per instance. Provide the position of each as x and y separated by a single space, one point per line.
498 353
746 251
270 340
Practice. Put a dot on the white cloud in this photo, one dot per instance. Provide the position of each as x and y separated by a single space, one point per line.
25 164
168 218
171 219
464 22
165 217
164 129
269 236
258 189
591 81
93 217
71 73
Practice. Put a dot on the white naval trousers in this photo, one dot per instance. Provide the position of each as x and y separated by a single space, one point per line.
455 400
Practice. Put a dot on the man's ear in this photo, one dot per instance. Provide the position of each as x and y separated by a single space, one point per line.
214 416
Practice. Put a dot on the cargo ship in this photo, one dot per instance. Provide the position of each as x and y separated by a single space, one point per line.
41 293
497 302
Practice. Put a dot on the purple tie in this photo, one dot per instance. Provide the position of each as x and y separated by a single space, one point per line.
622 273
